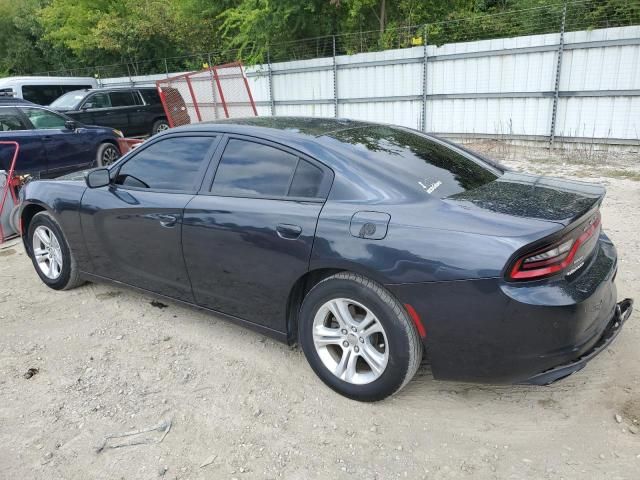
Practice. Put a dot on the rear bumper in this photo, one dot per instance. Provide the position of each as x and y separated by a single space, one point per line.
622 312
492 331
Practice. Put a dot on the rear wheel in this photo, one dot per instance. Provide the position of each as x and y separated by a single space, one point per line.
358 338
53 260
107 154
159 126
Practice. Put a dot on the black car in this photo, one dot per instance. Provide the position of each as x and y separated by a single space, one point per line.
367 244
134 111
52 144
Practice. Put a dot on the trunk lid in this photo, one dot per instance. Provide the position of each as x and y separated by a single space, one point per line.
533 196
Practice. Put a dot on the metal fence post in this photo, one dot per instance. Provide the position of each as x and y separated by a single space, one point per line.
272 103
335 79
424 78
554 111
129 75
166 68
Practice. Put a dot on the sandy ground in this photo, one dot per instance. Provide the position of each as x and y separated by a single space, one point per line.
110 362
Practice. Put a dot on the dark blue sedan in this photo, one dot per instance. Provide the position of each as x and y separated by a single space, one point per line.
367 244
52 144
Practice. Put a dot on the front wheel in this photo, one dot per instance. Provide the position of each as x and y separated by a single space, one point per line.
358 338
53 260
107 154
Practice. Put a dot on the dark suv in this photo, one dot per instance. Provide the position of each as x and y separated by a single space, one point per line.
134 111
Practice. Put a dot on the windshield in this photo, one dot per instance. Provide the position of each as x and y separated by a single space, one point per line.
436 168
69 101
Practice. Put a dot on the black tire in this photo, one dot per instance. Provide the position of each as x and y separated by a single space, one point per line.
160 126
403 343
69 274
107 154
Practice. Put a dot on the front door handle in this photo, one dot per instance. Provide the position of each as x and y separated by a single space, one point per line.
288 231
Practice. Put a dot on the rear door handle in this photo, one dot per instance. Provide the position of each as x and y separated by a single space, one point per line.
288 231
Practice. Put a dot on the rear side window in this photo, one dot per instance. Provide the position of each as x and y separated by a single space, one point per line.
150 96
42 94
71 88
253 169
410 158
175 163
306 181
122 99
10 120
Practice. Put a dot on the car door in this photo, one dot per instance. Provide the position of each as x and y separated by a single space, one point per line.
66 150
138 121
133 227
123 111
32 157
80 110
248 237
96 110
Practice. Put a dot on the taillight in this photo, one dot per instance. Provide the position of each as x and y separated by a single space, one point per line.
571 251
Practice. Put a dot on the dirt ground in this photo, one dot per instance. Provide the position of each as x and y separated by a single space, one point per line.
242 406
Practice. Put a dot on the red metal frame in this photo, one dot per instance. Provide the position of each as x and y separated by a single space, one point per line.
9 187
163 100
193 97
253 104
224 102
216 75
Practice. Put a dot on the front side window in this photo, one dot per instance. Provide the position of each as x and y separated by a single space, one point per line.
98 100
10 120
44 119
122 99
253 169
175 163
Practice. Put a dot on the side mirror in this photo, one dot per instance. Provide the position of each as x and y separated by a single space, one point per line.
98 178
86 106
70 125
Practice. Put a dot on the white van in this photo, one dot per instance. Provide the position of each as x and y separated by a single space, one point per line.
43 90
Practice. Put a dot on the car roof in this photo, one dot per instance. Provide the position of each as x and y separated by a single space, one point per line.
7 100
278 128
110 89
40 80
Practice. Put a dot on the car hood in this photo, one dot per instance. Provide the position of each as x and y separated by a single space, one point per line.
74 176
533 196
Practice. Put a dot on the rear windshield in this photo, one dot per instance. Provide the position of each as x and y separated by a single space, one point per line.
437 169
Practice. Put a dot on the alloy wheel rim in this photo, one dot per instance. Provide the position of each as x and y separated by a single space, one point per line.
109 156
47 252
350 341
162 127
